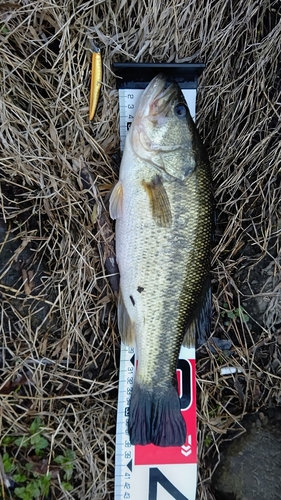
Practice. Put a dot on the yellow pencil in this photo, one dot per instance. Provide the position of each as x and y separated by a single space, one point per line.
96 78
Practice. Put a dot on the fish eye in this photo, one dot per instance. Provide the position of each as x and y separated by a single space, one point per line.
180 110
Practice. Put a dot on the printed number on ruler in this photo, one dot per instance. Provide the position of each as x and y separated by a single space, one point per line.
129 100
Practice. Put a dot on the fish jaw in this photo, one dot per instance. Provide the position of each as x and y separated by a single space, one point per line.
149 96
155 99
153 111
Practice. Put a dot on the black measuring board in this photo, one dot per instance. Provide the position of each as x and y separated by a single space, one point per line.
138 75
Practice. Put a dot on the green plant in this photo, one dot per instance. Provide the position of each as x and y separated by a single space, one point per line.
207 440
66 461
35 440
7 463
33 473
4 29
237 313
36 487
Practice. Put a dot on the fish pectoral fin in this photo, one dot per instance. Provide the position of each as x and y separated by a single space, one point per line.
125 324
116 201
159 201
198 330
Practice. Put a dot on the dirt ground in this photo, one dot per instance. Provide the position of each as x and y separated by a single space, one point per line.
60 344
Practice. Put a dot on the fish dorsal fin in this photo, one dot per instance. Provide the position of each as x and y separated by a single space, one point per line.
159 201
125 324
116 201
198 330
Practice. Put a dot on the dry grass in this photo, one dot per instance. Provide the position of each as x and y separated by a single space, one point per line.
58 329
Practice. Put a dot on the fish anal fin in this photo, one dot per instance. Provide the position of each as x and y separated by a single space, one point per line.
125 324
116 201
159 201
198 330
189 339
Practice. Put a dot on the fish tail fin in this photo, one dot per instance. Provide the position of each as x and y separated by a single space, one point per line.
156 418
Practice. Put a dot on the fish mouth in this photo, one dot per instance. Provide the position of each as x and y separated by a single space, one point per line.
156 97
161 103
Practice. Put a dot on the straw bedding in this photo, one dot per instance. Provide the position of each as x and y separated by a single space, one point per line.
60 345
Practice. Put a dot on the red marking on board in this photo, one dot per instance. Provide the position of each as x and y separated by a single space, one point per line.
187 454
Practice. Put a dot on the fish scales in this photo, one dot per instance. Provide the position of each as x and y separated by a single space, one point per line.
163 210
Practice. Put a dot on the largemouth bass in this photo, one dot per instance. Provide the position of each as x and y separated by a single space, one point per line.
163 210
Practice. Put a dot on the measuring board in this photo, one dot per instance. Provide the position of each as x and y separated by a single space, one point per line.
152 472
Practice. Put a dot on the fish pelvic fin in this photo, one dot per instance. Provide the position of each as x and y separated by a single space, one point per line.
159 201
156 418
116 201
198 330
125 324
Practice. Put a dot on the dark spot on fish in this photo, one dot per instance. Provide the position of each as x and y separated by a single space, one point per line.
140 289
132 300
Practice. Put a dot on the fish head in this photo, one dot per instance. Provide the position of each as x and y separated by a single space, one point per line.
162 129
